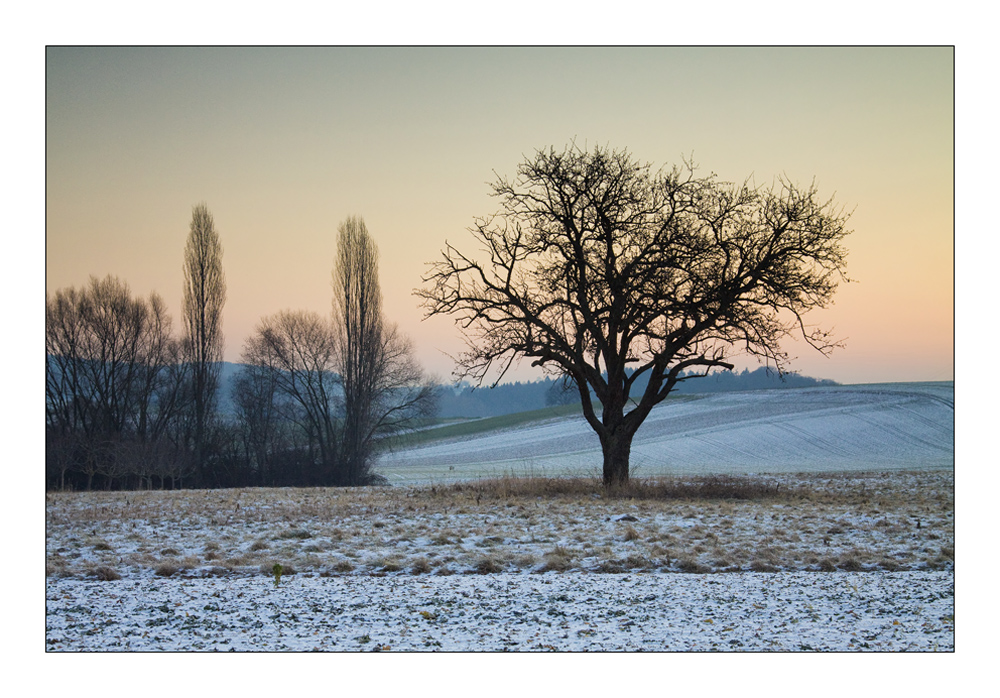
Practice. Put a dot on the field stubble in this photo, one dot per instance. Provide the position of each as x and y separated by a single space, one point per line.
890 521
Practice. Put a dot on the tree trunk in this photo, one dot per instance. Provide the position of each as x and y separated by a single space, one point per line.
617 448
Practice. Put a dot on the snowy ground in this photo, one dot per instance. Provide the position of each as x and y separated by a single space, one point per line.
801 611
824 562
892 426
847 542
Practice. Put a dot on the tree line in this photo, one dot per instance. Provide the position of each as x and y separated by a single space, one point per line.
469 401
130 405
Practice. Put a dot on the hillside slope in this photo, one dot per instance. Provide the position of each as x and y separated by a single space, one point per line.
863 427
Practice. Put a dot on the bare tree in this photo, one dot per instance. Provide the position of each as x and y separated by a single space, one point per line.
383 387
64 337
162 375
204 297
260 414
357 312
603 271
344 384
112 376
291 363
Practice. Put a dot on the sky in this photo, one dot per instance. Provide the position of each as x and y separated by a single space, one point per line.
283 144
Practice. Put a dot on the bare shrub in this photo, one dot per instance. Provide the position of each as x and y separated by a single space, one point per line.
850 564
692 566
343 566
420 566
508 487
719 487
488 565
105 573
166 569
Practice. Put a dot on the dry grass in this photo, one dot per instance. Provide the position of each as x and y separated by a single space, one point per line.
105 573
822 522
716 487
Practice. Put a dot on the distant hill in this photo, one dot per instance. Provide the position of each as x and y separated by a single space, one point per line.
465 401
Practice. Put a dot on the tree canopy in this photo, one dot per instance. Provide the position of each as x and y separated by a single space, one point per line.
600 269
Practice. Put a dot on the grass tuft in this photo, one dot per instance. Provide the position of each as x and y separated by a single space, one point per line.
106 574
166 569
488 565
420 566
295 533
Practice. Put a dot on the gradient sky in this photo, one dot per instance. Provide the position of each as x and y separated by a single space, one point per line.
283 144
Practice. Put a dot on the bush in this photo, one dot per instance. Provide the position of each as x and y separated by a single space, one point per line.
106 574
166 569
488 565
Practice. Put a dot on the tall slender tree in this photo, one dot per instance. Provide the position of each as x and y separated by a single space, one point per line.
204 297
357 309
383 386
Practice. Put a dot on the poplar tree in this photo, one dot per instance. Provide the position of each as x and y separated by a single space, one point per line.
204 297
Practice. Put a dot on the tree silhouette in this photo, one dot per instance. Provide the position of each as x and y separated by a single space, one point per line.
595 264
113 383
289 373
204 297
383 386
343 382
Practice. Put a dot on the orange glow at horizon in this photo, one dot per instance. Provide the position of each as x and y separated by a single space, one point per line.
285 143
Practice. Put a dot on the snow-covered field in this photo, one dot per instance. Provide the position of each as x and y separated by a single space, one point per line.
892 426
830 555
820 561
800 611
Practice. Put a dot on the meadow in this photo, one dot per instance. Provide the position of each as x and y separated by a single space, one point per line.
472 556
860 561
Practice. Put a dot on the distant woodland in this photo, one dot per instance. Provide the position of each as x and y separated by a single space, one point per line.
130 404
466 401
